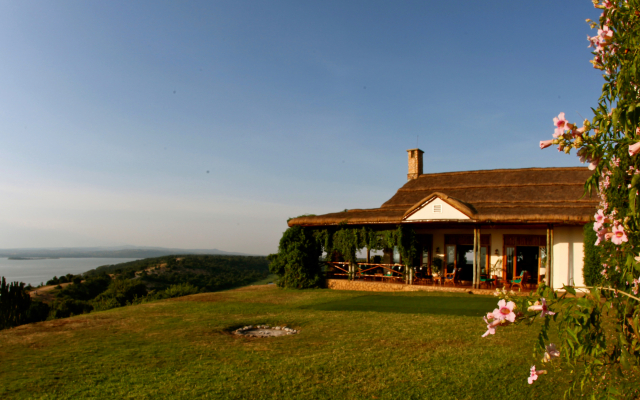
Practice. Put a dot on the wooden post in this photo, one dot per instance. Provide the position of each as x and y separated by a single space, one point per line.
475 256
547 277
368 255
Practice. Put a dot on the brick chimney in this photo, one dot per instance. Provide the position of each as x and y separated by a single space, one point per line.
415 163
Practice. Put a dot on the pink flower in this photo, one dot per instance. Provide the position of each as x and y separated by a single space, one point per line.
534 374
561 125
505 311
546 143
593 164
538 306
633 149
600 220
550 353
602 235
491 326
618 235
606 34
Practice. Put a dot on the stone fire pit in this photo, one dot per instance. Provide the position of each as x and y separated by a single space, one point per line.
263 331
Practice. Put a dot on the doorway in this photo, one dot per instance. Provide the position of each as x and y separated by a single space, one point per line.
527 260
461 257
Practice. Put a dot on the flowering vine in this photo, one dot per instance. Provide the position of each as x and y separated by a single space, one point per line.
599 327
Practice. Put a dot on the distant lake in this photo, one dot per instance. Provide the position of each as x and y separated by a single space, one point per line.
38 271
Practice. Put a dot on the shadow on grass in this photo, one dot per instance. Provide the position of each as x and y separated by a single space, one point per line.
439 305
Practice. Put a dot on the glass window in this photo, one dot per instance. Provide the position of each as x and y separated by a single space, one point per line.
510 253
425 258
451 257
543 262
468 257
396 255
483 260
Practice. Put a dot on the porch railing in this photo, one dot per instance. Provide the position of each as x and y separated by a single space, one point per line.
387 273
364 271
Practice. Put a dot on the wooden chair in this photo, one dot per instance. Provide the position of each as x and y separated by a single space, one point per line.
450 278
520 281
485 280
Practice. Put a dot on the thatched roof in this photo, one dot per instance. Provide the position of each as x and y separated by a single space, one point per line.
530 195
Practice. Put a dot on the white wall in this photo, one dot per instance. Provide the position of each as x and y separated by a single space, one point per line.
568 256
426 213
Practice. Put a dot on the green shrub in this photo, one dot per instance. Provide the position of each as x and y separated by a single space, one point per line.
297 262
592 266
180 290
86 290
123 291
68 307
38 311
53 281
105 303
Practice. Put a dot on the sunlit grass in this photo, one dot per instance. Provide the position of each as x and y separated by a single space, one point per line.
351 345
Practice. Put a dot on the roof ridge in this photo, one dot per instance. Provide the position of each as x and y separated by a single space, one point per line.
435 188
479 171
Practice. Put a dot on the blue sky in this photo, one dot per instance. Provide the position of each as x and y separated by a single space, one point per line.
207 124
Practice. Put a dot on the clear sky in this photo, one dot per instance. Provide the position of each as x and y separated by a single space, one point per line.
206 124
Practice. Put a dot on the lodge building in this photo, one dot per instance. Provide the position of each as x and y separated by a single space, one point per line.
495 223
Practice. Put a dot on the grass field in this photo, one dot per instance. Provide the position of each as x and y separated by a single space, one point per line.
352 345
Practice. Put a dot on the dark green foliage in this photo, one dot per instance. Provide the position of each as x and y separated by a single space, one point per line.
206 272
38 311
183 289
53 281
297 262
406 242
14 304
68 307
87 290
151 279
123 291
592 266
344 242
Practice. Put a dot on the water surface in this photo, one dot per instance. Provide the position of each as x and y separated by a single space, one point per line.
38 271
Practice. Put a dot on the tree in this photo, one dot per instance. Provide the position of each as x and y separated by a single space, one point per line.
297 262
14 304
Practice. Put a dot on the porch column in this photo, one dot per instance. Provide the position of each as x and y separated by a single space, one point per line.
368 255
475 257
478 256
548 278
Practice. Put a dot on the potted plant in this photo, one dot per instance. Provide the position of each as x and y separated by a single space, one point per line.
436 266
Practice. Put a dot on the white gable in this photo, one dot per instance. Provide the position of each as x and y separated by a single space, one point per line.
436 209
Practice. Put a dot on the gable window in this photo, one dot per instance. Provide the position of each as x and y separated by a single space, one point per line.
437 208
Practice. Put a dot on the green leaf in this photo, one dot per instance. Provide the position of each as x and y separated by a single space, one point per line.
569 289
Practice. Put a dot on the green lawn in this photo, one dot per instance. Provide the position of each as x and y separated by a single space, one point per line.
352 345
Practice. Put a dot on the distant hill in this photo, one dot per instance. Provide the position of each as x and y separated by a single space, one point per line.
107 252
